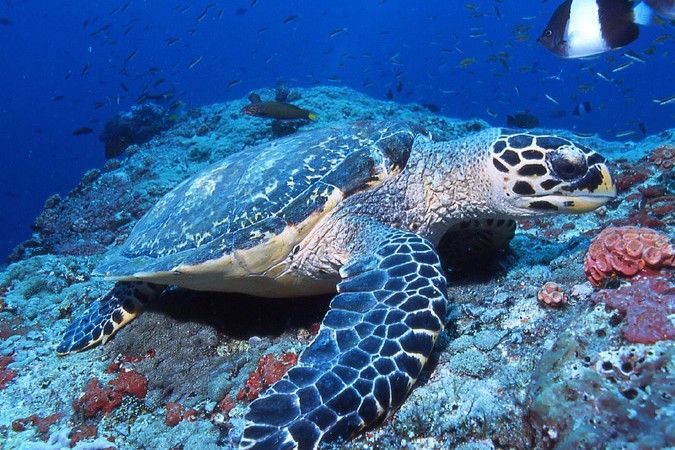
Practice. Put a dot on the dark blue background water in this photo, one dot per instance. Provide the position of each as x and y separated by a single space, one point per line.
412 49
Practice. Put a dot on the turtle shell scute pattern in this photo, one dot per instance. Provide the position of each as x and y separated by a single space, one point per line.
253 195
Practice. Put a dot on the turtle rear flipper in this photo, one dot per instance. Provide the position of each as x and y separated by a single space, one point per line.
370 349
107 315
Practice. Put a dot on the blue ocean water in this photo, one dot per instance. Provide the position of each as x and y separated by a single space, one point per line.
73 64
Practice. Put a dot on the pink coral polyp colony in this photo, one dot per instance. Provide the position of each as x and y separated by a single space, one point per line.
625 252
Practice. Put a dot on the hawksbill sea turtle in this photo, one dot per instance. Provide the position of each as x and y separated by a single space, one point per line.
356 209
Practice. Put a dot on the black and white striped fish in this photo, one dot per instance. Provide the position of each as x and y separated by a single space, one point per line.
581 28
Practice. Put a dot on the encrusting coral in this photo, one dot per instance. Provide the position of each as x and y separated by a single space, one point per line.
6 375
105 399
270 370
647 305
627 251
552 294
663 157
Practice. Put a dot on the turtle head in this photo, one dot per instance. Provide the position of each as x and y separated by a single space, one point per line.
546 174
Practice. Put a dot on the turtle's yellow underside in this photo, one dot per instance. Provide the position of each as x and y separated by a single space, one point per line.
260 270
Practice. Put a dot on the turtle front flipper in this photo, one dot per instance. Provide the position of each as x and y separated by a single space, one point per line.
107 315
371 347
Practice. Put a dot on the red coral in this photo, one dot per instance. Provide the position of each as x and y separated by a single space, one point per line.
175 412
132 383
629 178
646 303
653 191
226 405
314 329
13 327
627 251
663 157
191 415
6 375
526 224
552 233
552 294
662 206
568 226
653 208
98 399
642 218
42 423
81 432
269 371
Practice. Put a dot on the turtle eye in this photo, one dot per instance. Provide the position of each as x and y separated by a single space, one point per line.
548 33
567 167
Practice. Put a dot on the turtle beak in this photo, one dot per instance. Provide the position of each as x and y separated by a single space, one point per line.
586 195
587 200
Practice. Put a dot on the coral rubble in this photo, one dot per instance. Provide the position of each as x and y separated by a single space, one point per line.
617 397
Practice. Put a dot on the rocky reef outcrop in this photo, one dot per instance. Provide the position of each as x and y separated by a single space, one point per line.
516 366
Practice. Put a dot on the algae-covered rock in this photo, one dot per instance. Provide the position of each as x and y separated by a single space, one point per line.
620 397
136 126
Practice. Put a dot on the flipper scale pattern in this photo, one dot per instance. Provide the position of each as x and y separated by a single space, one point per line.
371 347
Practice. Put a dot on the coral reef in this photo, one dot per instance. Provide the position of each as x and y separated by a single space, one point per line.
663 157
105 216
270 370
583 397
6 375
552 294
627 251
506 372
106 204
137 126
630 176
647 305
97 399
648 189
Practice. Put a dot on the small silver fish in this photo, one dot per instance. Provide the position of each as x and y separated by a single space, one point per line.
634 56
624 134
623 66
604 77
551 99
195 62
664 101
